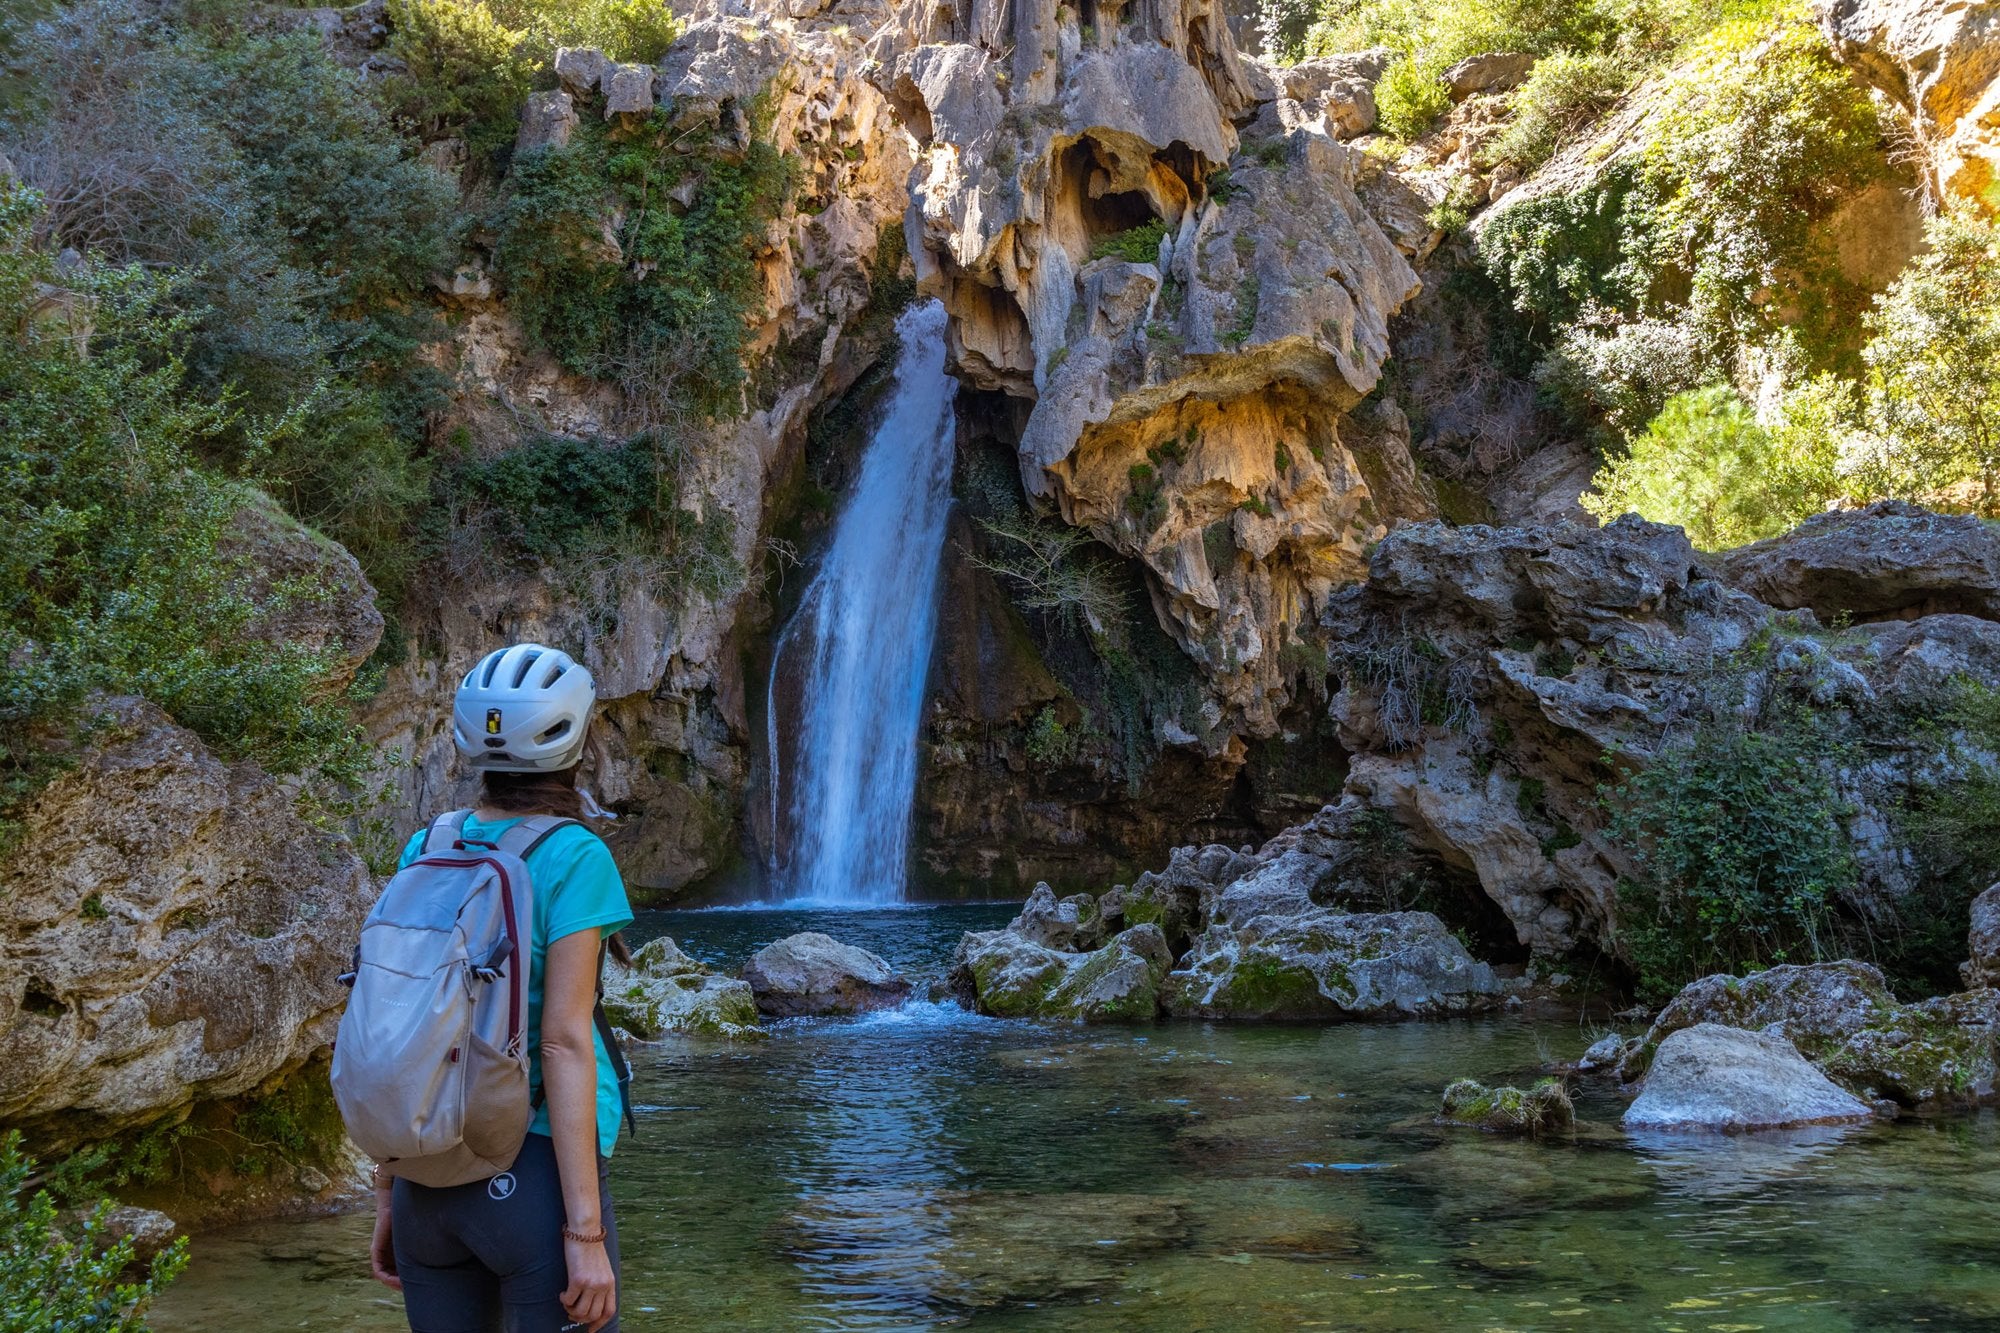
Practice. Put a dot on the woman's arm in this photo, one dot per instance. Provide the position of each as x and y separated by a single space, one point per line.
569 1078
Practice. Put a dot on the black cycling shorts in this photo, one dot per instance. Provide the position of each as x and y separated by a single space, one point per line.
489 1255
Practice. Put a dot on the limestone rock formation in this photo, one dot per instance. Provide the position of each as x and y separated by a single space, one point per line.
170 931
1892 559
1711 1077
1942 63
1008 974
1535 1112
1843 1017
667 654
1319 964
811 973
1136 233
1983 941
667 993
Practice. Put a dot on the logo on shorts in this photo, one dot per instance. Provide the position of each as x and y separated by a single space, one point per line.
501 1186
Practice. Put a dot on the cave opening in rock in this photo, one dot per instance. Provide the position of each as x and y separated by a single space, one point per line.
1088 172
42 1001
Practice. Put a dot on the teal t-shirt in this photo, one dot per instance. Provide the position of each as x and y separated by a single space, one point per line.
577 887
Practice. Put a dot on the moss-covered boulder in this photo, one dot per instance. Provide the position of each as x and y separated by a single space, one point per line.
1538 1111
1843 1017
666 993
1006 974
1324 965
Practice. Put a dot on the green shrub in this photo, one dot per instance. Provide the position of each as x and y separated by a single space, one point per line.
1410 96
1740 844
113 575
1563 94
1050 743
573 505
464 74
630 31
663 315
1934 366
59 1276
1705 464
1136 245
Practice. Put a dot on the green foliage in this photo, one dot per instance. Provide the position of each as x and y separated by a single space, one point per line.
1705 464
63 1276
1050 743
1739 839
662 313
1564 93
1136 245
1410 96
1934 366
115 575
573 504
464 74
628 31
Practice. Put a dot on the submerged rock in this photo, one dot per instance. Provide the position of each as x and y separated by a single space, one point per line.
1007 974
665 992
811 973
1542 1109
1843 1017
1711 1077
1322 964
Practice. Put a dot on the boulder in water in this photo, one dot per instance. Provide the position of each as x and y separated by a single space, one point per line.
1540 1110
665 993
1843 1017
810 973
1710 1077
1319 964
1009 975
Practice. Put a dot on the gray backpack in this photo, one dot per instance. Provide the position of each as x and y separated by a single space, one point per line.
430 1066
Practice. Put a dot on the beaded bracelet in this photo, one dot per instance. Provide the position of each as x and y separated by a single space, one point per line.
571 1233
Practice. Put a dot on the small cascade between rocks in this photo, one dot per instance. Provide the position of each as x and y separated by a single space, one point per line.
846 692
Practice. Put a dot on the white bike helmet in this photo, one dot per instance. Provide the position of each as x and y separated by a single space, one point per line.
523 709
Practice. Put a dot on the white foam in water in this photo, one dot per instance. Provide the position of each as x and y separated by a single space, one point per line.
860 645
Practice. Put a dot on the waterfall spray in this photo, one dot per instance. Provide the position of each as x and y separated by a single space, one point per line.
859 649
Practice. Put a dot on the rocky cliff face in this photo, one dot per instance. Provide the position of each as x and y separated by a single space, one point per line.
1942 63
669 655
1157 250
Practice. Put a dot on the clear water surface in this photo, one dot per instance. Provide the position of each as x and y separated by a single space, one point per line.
927 1168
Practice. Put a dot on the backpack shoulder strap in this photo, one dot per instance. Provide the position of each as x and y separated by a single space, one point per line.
444 831
531 833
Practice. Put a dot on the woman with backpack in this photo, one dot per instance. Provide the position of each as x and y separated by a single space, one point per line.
470 982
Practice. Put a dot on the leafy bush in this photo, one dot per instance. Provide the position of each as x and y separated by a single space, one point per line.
630 31
1934 366
1705 464
1410 95
58 1276
463 75
1050 743
1051 569
578 504
1135 245
1739 840
1564 93
113 575
662 315
298 225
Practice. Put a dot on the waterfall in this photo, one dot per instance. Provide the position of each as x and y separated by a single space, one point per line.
857 651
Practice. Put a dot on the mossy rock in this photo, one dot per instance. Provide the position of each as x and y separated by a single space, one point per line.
1537 1112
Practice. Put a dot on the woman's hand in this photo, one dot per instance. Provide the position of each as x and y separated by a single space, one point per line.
382 1250
592 1295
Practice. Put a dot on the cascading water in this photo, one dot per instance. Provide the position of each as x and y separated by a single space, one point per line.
857 651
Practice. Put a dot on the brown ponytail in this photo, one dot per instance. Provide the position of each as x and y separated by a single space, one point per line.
532 793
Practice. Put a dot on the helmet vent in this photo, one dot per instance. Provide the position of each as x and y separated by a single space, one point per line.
528 661
558 731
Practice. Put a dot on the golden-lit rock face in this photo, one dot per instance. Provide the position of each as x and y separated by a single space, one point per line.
1138 232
